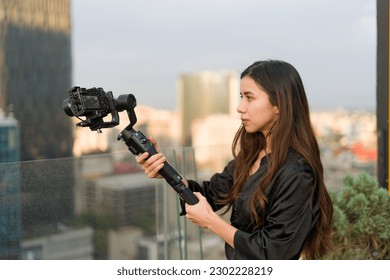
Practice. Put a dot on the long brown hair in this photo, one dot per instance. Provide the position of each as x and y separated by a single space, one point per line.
292 130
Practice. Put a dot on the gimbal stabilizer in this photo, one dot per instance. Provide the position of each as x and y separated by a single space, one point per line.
94 104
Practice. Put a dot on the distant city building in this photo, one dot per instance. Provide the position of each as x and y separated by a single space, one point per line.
212 137
161 124
35 73
348 143
9 139
129 199
69 244
10 209
205 93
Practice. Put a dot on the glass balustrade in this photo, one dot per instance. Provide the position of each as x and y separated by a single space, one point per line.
98 207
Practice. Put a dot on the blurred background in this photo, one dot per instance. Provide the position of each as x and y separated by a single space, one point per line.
70 193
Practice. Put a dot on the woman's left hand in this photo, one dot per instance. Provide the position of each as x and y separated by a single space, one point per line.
201 213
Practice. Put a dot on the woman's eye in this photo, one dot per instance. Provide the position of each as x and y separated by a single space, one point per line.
246 97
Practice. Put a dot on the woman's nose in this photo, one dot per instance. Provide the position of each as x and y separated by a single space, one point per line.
240 107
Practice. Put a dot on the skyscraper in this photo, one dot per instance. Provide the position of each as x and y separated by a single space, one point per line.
205 93
10 208
9 139
35 73
35 76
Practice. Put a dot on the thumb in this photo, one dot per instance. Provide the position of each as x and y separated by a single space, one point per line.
198 195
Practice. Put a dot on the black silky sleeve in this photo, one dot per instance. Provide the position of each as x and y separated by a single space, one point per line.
219 184
289 220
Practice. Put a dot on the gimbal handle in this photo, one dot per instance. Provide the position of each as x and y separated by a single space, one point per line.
138 144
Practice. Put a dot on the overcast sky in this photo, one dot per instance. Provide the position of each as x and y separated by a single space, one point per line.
142 46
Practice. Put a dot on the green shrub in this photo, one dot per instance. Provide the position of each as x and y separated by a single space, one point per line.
361 220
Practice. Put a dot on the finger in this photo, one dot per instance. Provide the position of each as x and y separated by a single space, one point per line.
155 160
154 142
154 172
189 218
142 157
198 194
145 162
153 165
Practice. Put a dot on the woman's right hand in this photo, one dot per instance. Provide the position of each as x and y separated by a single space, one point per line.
152 165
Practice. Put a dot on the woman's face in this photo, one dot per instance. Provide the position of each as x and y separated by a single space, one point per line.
257 112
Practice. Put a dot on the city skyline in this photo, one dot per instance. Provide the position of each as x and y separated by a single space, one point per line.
88 205
129 48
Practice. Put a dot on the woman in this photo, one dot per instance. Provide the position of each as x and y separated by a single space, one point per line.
274 185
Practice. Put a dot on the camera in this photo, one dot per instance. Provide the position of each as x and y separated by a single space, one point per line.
95 104
93 101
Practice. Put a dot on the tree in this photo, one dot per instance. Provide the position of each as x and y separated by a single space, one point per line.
361 220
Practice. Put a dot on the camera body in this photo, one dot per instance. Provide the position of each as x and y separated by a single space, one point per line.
95 104
92 102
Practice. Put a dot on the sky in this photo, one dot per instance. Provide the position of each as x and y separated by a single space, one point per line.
143 46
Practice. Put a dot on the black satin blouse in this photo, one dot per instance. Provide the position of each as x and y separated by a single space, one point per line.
291 212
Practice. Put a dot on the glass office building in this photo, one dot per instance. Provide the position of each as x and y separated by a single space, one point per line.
35 73
10 208
205 93
35 76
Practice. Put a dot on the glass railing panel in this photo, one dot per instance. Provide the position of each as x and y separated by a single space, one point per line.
180 239
10 211
104 207
92 207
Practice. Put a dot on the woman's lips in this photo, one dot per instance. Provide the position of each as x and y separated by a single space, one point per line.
244 121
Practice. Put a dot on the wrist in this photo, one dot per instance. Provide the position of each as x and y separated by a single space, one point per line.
222 228
214 221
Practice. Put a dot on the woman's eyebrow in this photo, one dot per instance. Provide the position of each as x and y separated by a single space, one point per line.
246 93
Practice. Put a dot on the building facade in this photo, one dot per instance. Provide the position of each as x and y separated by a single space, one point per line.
35 73
10 208
129 199
35 76
205 93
